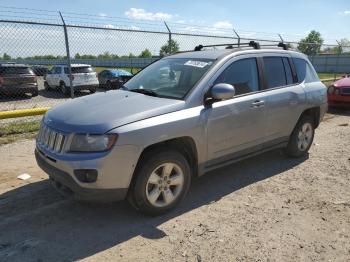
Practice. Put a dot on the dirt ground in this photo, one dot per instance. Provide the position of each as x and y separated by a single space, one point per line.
267 208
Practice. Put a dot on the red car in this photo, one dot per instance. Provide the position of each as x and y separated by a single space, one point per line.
339 92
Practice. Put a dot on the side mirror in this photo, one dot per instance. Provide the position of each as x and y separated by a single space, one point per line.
222 91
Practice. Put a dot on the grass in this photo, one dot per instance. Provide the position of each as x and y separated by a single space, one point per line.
12 132
323 76
131 70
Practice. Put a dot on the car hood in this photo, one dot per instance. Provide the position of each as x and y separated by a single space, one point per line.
101 112
342 82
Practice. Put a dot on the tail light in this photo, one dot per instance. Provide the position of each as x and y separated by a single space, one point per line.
1 80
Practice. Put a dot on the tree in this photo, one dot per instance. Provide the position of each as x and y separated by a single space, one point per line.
344 45
131 55
145 53
77 56
171 47
6 57
311 44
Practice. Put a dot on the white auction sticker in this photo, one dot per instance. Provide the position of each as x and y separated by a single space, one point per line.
199 64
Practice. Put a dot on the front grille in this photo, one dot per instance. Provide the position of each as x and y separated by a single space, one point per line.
345 90
50 139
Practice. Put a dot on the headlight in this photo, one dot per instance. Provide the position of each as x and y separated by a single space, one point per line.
92 143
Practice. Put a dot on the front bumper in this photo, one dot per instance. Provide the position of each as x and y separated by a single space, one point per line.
65 182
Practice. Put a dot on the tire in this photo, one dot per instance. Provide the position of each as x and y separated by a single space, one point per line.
64 89
109 85
35 93
151 192
301 138
93 90
47 86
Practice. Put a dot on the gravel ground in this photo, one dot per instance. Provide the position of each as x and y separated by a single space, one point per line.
267 208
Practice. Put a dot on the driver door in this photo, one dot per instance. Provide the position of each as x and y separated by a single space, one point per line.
237 126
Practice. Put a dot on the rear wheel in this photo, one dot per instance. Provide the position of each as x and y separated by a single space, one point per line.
64 89
109 85
35 93
302 137
47 86
162 181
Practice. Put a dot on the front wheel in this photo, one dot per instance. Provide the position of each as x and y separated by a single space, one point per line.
162 180
302 137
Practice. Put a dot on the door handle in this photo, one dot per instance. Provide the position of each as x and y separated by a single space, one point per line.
258 103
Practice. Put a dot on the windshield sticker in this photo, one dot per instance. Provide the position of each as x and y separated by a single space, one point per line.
199 64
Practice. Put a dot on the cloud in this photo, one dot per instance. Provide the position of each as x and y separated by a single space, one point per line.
102 15
142 14
346 12
223 25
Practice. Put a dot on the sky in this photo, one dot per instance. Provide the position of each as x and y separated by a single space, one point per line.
297 17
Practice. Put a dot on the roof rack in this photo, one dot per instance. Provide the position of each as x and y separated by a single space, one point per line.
254 44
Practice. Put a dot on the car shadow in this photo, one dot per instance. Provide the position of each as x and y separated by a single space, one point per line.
341 111
52 227
14 97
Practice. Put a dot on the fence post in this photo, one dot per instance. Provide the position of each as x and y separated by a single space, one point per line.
338 57
167 27
281 38
238 37
68 57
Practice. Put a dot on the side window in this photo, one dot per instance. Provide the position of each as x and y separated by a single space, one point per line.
66 70
57 70
242 74
274 72
305 71
288 71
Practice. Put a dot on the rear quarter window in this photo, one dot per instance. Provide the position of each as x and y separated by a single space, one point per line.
304 71
82 70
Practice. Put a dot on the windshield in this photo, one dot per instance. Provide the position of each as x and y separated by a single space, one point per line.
171 77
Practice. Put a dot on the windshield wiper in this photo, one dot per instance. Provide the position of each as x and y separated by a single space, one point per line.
144 91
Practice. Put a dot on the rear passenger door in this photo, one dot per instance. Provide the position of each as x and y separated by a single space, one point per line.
237 126
284 97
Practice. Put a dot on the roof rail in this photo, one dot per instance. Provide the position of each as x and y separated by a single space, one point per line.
254 44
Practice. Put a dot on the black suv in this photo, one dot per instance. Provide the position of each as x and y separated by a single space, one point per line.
17 79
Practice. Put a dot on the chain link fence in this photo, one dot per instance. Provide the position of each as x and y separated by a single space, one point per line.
39 40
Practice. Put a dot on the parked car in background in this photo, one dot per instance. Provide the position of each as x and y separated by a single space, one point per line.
113 78
83 78
17 79
40 70
180 117
339 92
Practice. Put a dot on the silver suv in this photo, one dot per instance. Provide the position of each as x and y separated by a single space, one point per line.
178 118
